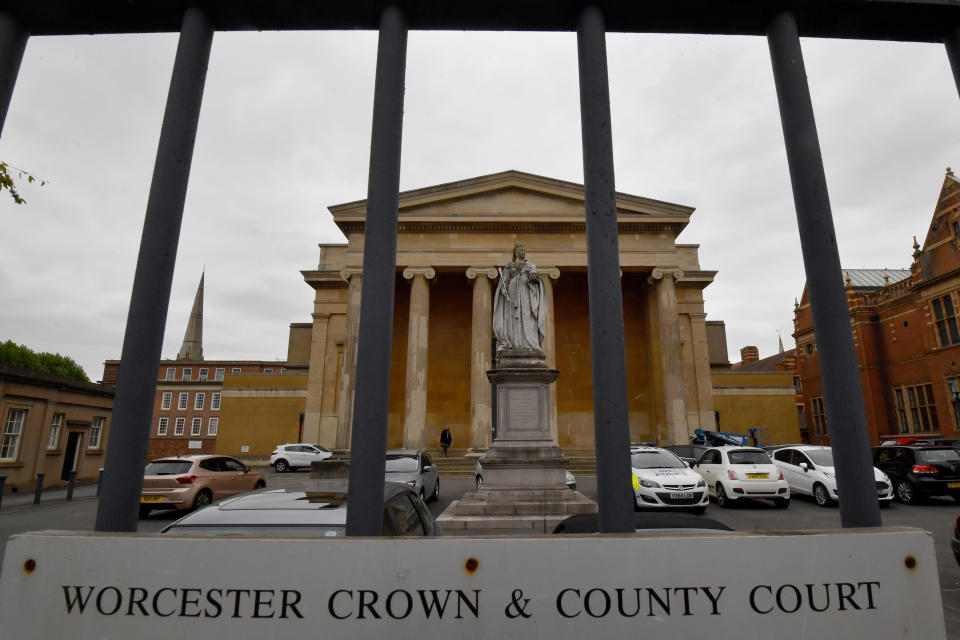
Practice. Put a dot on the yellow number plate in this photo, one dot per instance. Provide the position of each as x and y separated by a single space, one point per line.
953 485
758 476
151 499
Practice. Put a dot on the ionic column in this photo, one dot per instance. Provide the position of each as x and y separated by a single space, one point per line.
550 344
671 358
481 412
318 359
345 414
418 329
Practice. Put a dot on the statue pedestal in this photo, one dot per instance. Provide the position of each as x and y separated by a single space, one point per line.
524 471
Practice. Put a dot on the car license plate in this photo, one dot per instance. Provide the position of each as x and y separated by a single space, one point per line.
758 476
151 499
677 495
953 485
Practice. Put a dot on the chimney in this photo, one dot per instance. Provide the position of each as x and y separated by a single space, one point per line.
749 354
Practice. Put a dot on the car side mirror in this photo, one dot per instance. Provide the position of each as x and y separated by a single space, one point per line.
428 467
804 466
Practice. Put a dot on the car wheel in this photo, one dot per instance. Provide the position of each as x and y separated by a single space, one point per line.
144 512
281 466
479 482
260 485
203 499
821 495
906 492
781 503
436 492
722 499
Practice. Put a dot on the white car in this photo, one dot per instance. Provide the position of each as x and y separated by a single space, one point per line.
808 469
738 473
661 480
290 456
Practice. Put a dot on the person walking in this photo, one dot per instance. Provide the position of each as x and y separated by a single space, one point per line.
446 438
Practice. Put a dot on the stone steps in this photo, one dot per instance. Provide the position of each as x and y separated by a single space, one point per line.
582 462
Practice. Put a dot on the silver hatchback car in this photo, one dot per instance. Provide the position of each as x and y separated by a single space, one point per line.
414 468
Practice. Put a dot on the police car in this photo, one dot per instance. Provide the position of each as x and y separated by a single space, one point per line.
661 480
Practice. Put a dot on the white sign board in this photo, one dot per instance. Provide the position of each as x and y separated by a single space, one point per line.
879 584
195 444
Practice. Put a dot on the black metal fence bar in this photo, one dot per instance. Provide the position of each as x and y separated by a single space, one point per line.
609 365
842 394
952 42
13 41
143 339
368 441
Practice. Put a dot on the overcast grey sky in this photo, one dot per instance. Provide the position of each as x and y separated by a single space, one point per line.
285 132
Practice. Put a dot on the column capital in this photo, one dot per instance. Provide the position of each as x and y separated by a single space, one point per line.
697 316
427 272
552 272
473 272
659 273
348 272
320 316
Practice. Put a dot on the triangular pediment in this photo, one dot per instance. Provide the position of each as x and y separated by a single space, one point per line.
510 196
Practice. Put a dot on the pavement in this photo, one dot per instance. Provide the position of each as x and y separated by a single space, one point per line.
51 495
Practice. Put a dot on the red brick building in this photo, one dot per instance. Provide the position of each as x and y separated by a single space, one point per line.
906 336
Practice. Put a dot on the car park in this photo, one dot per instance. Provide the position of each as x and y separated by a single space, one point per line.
193 482
287 457
570 479
809 470
415 468
305 513
739 473
661 480
918 472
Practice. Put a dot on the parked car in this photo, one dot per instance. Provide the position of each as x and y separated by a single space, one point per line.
649 522
661 480
571 479
287 457
414 468
295 513
193 482
809 470
738 473
689 453
918 472
955 541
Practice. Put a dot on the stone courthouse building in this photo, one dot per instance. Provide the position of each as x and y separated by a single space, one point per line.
452 238
906 335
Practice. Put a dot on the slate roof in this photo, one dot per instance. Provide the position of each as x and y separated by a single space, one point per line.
870 279
765 365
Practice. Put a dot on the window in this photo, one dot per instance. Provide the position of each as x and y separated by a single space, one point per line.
178 429
810 349
167 400
162 427
212 426
187 374
202 376
55 427
235 370
801 418
268 370
946 321
198 403
218 374
901 411
215 401
96 433
182 403
796 384
12 428
819 416
195 426
171 373
923 412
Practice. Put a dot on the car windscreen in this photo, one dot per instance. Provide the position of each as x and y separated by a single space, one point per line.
821 457
938 455
748 457
286 531
401 464
167 467
655 460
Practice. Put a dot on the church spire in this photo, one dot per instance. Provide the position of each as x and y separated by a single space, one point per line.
192 348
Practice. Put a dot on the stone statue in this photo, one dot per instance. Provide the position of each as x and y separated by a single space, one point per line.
520 305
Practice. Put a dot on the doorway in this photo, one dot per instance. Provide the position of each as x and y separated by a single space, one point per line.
71 454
